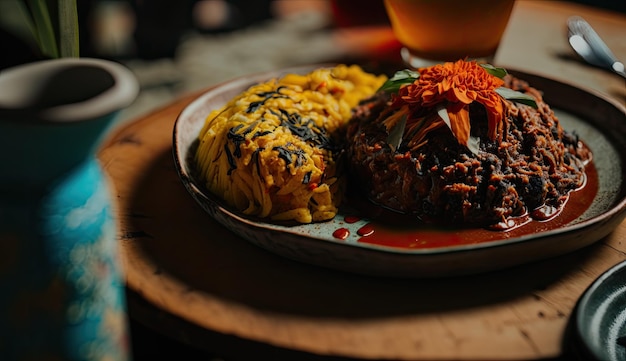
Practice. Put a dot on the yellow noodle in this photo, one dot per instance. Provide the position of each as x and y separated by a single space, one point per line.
268 151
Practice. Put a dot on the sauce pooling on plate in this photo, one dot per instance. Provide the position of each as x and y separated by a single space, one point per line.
389 228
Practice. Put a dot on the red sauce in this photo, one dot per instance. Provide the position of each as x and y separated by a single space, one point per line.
351 219
341 233
546 212
366 230
396 230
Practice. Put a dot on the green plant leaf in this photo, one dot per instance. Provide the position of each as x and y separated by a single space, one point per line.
26 18
394 139
401 77
44 30
516 96
68 29
495 71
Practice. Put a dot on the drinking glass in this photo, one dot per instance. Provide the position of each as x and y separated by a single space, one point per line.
435 31
353 13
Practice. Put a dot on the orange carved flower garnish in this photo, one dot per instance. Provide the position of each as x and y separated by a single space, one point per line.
449 88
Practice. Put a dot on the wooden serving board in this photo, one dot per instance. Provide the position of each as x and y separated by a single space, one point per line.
190 278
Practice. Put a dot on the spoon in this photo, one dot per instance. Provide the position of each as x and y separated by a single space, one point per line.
588 44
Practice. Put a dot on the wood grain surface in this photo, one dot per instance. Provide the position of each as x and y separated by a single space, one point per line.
194 280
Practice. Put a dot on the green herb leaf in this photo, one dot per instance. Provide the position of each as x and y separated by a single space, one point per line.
394 139
401 77
516 96
442 112
497 72
473 144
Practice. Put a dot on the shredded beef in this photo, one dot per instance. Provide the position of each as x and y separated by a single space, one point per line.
536 164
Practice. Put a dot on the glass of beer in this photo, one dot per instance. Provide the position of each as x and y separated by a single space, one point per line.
435 31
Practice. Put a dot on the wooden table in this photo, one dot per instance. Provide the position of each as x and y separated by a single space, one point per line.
196 282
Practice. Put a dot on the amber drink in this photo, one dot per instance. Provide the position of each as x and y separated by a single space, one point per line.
434 31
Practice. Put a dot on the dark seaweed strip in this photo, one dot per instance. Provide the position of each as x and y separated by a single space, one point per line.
306 130
260 134
271 92
231 160
323 141
284 154
249 128
254 106
307 177
232 133
287 155
257 160
299 157
285 114
236 138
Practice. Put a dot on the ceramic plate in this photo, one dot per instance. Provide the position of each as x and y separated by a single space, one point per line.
379 249
600 317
